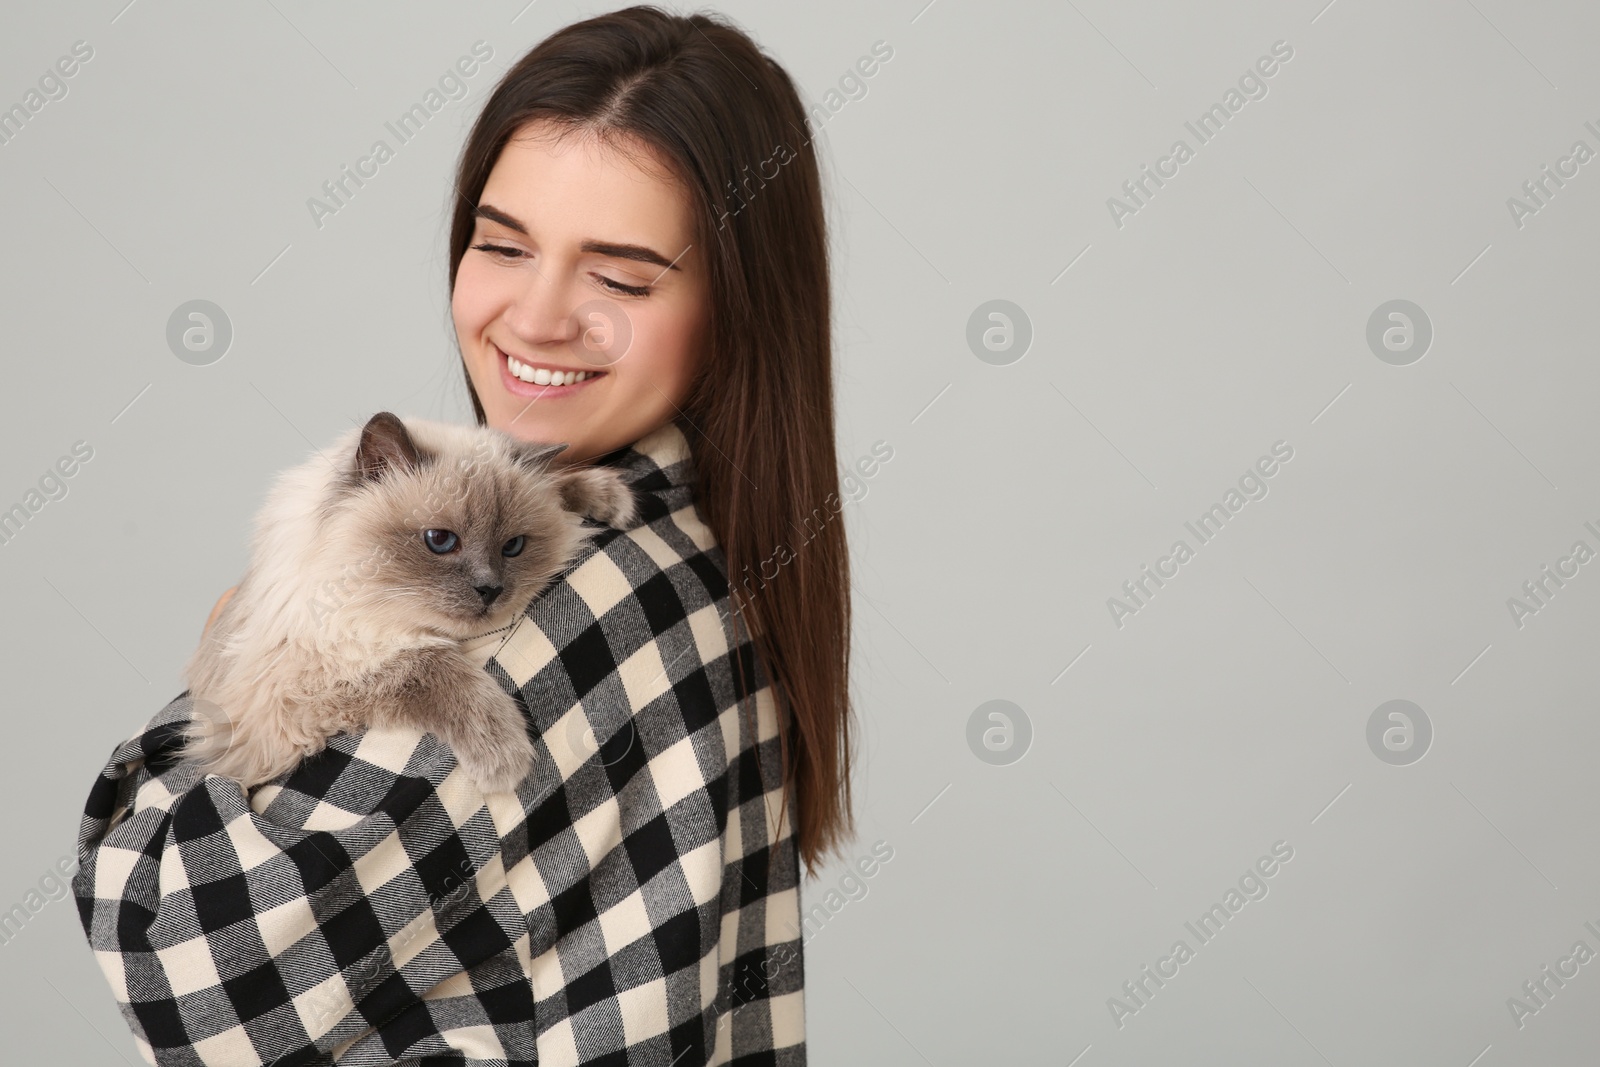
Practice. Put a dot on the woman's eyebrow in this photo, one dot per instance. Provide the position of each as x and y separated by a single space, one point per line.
604 248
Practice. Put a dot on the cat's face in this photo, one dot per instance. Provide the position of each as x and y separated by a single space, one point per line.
448 537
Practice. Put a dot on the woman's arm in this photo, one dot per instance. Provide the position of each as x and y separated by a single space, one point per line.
272 929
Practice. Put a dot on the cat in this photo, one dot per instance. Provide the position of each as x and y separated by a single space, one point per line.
370 566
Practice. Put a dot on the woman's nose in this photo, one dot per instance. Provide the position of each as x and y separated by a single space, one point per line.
542 312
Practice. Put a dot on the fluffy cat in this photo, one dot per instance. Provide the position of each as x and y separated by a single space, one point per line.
369 568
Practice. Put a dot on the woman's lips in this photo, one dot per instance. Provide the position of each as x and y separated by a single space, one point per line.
517 387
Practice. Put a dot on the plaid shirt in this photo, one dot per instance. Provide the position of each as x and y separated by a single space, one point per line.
635 901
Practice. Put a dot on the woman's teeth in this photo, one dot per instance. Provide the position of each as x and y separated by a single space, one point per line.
541 376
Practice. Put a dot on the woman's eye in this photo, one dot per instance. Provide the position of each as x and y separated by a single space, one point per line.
439 541
500 250
507 252
513 547
625 290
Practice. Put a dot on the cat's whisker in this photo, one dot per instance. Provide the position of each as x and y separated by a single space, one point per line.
381 596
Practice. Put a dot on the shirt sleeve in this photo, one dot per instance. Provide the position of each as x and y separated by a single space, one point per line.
275 927
763 940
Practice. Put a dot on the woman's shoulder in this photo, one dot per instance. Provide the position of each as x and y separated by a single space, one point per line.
675 547
637 581
655 594
636 633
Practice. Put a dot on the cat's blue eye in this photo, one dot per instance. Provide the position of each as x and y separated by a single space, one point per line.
439 541
513 547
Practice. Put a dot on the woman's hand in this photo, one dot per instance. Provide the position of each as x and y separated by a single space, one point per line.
223 599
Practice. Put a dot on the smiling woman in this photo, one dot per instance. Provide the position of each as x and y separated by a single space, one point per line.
636 897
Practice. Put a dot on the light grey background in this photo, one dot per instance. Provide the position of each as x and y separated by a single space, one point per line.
1228 314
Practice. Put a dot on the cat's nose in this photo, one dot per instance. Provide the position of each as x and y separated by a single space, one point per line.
488 592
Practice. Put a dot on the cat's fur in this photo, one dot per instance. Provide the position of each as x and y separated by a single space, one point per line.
346 619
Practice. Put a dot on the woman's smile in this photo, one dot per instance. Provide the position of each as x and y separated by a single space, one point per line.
539 379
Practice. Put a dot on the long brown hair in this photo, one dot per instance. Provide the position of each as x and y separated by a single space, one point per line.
728 122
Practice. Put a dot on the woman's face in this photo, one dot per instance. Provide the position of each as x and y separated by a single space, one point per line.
580 262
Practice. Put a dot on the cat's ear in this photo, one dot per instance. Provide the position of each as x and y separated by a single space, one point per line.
385 445
534 456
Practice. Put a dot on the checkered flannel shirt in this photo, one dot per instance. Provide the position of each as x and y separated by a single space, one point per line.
635 901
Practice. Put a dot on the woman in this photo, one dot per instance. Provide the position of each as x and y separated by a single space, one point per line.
637 899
